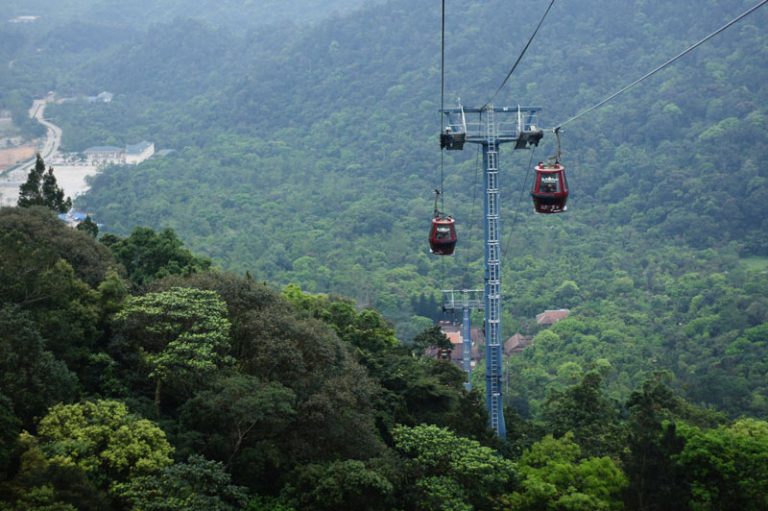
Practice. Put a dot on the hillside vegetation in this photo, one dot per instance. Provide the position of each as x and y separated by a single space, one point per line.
181 388
310 158
305 157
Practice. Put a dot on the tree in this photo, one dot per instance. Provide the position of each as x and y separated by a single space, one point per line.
583 410
104 440
67 312
30 377
656 482
432 336
88 226
41 189
38 484
180 336
10 426
196 485
33 240
554 478
451 471
240 412
148 255
345 484
726 466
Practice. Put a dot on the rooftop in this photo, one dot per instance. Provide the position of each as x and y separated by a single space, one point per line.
137 148
103 149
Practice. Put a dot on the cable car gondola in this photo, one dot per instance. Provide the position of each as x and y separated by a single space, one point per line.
550 188
442 235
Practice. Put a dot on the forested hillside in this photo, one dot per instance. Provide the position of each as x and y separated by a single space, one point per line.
306 153
310 158
132 377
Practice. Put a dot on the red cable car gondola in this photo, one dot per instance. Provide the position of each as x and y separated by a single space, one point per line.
442 235
550 188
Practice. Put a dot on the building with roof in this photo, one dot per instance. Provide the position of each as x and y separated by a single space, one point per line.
137 153
101 97
550 317
103 154
517 343
454 334
24 19
131 154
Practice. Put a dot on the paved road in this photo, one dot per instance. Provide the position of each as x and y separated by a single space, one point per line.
12 177
52 138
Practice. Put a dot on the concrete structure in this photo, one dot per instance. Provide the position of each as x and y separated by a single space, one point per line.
137 153
132 154
24 19
104 154
102 97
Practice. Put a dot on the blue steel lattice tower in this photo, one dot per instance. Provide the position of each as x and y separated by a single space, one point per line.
467 300
492 128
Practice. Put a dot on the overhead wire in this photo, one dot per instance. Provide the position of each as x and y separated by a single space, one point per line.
442 100
520 57
442 107
665 64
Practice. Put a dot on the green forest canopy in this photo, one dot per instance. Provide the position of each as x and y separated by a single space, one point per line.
303 401
309 157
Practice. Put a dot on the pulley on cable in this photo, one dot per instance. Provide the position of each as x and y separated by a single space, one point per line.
550 187
442 233
454 135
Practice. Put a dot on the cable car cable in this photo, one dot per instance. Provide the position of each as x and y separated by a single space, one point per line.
520 57
442 101
442 62
665 64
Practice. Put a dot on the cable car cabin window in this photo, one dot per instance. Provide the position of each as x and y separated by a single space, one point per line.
550 184
443 233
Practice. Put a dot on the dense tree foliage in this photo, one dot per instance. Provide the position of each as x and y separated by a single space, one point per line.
553 477
206 390
305 156
147 255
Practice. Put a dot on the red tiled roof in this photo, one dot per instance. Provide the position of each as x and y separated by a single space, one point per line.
550 317
517 343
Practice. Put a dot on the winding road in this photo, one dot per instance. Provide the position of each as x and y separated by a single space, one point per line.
13 176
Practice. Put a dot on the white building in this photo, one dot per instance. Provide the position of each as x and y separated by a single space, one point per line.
137 153
133 154
104 154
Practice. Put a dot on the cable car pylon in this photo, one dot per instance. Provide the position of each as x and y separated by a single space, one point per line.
514 124
466 300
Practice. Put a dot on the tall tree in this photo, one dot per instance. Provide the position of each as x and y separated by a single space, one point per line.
105 440
197 485
554 478
726 466
449 471
585 411
30 377
41 189
656 483
88 226
179 336
148 255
